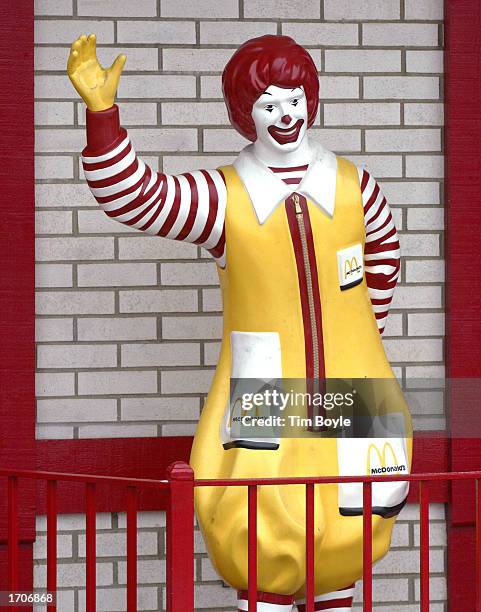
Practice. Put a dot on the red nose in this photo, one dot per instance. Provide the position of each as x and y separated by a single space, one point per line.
286 119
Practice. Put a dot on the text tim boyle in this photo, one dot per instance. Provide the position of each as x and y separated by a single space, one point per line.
293 421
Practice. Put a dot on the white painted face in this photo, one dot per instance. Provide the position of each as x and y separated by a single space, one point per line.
280 118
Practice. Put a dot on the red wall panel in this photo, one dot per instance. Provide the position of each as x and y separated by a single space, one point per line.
463 282
17 351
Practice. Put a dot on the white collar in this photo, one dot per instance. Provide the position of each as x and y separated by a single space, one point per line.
266 190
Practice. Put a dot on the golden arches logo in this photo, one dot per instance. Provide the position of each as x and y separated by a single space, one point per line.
382 457
350 266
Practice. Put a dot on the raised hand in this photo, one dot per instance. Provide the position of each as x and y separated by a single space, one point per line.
96 85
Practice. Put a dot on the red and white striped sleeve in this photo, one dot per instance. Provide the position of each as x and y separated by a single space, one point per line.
381 252
189 207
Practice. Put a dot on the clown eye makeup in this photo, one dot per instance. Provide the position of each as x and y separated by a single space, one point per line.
269 108
294 102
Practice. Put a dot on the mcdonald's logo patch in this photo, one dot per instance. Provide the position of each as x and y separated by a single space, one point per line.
383 461
350 266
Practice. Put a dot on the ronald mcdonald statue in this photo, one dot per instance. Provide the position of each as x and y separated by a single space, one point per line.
308 258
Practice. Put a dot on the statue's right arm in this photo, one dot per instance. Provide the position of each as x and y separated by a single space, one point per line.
188 207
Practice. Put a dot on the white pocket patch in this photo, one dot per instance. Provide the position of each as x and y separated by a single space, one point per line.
373 457
350 267
253 355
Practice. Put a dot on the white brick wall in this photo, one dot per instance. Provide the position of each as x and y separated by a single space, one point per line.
128 325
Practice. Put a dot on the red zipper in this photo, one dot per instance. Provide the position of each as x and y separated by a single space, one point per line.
303 243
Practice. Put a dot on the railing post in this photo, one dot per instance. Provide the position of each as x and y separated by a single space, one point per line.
131 549
52 540
252 548
309 548
180 538
367 546
90 548
424 543
13 562
478 545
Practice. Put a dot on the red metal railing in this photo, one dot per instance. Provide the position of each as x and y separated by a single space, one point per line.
180 483
423 481
132 486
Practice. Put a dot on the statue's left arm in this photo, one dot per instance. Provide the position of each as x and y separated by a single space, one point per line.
381 252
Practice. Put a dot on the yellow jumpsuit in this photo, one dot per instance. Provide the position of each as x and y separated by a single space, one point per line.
260 291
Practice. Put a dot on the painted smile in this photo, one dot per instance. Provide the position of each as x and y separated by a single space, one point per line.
284 136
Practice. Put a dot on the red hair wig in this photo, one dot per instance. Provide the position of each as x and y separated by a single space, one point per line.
260 62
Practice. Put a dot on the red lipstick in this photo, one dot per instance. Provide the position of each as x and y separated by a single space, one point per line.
286 135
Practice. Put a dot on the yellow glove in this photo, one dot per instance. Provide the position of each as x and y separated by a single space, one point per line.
96 85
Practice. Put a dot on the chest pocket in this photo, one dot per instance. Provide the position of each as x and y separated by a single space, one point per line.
350 266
